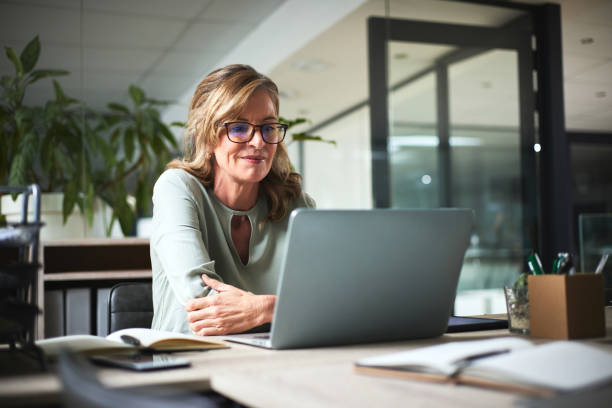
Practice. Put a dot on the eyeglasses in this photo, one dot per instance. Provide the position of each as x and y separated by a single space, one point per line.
243 132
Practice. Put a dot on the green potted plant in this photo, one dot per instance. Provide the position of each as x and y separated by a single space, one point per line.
302 136
65 147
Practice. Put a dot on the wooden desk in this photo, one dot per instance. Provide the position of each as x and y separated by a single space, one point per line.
321 377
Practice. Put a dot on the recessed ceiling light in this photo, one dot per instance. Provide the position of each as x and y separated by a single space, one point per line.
587 40
601 94
311 65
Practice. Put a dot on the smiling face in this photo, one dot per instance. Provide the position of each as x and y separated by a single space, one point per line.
246 163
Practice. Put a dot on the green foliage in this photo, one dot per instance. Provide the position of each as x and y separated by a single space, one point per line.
303 136
145 145
63 146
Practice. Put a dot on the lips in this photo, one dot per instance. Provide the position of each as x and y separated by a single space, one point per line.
254 158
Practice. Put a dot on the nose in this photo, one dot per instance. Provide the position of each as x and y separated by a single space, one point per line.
257 139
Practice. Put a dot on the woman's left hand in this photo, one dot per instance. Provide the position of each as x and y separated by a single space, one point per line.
232 310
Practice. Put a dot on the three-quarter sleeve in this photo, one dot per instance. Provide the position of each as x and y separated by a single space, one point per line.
179 234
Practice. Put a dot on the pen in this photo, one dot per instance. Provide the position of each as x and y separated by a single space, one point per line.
601 264
126 338
534 263
561 263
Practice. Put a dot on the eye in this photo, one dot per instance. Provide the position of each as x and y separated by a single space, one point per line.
239 128
268 128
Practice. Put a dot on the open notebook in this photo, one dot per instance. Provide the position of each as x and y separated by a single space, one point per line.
507 363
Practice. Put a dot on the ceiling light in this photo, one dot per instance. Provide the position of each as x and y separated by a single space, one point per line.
587 40
313 66
400 56
426 179
537 148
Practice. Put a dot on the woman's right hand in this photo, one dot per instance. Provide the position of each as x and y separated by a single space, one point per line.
232 310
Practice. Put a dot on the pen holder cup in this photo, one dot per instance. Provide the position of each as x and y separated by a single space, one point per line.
566 306
517 304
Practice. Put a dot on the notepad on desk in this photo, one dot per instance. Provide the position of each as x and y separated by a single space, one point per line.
133 338
507 363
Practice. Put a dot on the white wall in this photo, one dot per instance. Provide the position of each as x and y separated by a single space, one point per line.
340 176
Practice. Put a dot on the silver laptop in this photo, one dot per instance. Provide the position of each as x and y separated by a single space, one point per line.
360 276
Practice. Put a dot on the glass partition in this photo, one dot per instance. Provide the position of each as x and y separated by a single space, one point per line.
456 135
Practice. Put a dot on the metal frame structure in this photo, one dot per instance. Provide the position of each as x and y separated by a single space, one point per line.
546 195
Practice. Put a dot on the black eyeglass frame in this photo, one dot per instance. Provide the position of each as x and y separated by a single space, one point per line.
281 125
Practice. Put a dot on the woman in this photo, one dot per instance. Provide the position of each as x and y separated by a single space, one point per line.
220 214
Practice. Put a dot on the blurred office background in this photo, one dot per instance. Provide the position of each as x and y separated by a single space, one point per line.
317 52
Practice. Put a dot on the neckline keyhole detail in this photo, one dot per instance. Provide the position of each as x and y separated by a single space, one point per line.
241 235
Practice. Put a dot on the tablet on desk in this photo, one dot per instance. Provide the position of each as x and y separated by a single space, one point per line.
141 362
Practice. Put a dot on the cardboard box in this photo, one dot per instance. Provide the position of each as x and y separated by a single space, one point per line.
566 307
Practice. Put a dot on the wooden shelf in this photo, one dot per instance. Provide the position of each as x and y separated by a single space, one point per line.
97 275
75 264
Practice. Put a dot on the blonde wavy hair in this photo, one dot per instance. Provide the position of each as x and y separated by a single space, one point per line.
221 97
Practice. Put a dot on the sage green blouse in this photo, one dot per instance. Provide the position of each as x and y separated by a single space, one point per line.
192 235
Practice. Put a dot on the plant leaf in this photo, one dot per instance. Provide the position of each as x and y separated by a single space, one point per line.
10 53
118 107
63 161
70 198
30 54
17 175
143 196
46 154
59 92
126 217
137 95
89 203
159 102
4 149
149 128
158 145
303 137
52 111
28 146
107 150
179 124
44 73
128 143
293 122
167 134
114 139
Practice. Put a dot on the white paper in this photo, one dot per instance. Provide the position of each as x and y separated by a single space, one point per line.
444 358
148 337
560 365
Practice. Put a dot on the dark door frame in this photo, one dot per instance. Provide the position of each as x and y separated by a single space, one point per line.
547 215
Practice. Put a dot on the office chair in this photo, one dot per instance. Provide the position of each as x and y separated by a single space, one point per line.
81 388
130 304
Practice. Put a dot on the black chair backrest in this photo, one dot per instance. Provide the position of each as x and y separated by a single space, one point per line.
130 304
